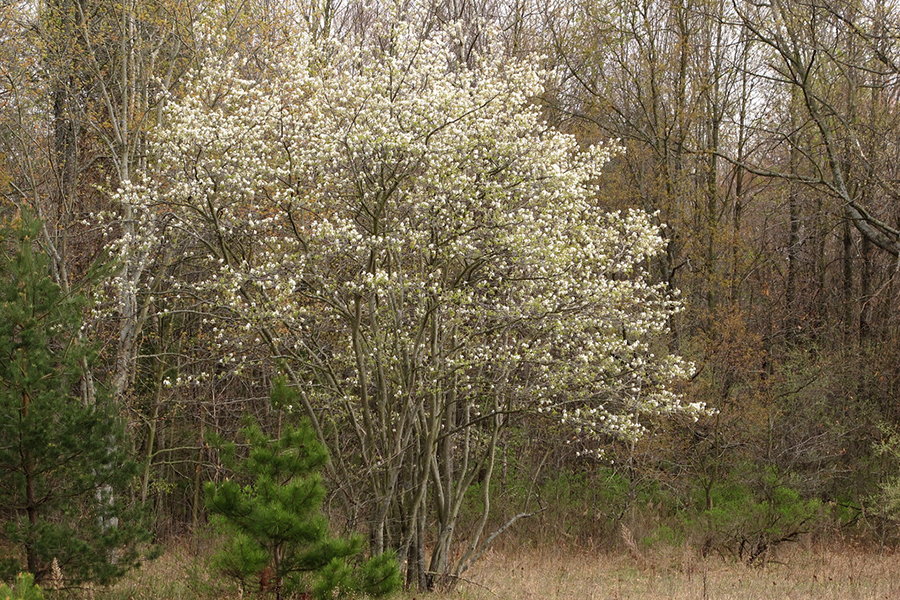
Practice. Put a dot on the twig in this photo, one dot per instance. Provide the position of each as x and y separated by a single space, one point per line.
488 541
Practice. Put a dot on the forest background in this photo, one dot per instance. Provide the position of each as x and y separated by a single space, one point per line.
762 138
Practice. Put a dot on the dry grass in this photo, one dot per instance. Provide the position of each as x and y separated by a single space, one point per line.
179 574
796 573
553 573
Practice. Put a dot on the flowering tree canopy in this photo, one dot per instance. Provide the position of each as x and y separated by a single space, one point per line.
421 253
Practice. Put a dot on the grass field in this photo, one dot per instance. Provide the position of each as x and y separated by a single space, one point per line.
796 573
550 573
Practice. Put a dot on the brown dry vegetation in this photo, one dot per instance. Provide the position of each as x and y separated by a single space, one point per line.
526 572
800 573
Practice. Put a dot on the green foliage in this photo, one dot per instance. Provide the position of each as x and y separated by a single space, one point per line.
242 559
663 534
23 589
887 502
749 518
582 503
274 520
379 576
335 580
63 454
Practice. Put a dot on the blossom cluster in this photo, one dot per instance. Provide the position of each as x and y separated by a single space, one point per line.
410 235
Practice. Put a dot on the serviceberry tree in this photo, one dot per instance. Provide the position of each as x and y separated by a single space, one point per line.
422 255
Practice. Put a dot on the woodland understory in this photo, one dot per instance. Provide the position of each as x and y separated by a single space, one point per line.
621 274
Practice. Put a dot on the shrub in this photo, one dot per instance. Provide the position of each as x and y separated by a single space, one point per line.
275 521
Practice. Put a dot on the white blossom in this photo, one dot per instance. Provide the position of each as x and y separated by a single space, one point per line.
406 228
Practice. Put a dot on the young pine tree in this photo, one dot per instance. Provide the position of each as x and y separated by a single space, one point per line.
63 458
274 523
